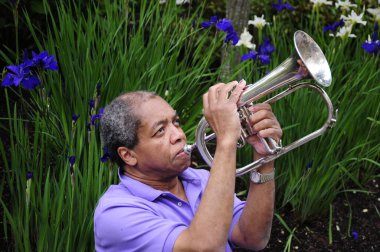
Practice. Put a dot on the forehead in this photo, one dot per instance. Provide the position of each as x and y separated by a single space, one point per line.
154 110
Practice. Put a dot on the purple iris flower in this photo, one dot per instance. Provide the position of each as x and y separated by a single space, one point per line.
372 46
30 82
75 118
23 73
262 53
97 116
333 27
264 58
10 79
249 55
232 36
20 74
29 175
213 20
106 156
282 6
266 48
355 235
71 160
225 25
44 60
91 103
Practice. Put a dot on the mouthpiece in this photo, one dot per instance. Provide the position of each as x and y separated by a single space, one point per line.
189 148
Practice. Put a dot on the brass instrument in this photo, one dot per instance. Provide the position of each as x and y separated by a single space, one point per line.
308 63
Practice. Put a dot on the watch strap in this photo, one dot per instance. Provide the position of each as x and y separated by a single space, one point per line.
259 178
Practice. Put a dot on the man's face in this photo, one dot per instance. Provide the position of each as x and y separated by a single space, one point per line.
159 152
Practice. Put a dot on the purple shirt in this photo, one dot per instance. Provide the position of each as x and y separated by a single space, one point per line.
133 216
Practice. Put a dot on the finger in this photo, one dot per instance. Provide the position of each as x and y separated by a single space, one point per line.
273 133
265 124
261 115
214 92
242 82
205 104
237 92
223 95
260 106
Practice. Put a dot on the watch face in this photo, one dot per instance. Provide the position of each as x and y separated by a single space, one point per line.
255 177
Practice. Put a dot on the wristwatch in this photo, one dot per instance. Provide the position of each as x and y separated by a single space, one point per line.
258 178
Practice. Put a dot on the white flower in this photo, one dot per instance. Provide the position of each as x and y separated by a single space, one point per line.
353 18
375 13
345 5
318 3
344 32
245 39
178 2
258 22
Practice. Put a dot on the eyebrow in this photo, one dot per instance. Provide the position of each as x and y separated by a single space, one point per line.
161 122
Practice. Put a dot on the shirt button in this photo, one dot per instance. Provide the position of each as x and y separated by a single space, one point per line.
164 194
179 204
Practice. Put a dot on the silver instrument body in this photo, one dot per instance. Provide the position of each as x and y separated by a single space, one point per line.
315 67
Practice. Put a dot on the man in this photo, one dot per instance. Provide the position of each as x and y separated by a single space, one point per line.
160 203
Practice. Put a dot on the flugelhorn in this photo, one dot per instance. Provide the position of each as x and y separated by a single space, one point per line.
309 63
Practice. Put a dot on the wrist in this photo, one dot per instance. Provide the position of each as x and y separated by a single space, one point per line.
267 167
226 142
261 178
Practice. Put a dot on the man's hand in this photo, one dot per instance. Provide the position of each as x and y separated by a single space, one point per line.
265 123
220 110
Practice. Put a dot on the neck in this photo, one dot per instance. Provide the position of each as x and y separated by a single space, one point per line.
172 184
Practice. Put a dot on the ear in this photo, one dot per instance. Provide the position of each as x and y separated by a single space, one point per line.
127 155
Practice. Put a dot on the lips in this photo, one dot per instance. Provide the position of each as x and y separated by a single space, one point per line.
181 152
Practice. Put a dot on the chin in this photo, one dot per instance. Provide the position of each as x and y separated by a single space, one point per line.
184 167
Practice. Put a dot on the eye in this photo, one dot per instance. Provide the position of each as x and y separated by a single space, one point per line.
160 131
177 122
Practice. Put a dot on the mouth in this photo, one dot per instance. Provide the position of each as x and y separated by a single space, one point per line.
181 152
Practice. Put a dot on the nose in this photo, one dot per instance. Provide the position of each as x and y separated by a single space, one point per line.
177 135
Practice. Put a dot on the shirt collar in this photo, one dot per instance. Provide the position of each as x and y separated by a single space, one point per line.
144 191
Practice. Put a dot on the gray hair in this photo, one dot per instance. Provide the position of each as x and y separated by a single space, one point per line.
119 123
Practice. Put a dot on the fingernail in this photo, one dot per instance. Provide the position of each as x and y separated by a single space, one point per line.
242 83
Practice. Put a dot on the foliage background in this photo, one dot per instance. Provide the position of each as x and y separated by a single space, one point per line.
104 48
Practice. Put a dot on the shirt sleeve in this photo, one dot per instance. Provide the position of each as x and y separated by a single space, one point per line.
136 227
